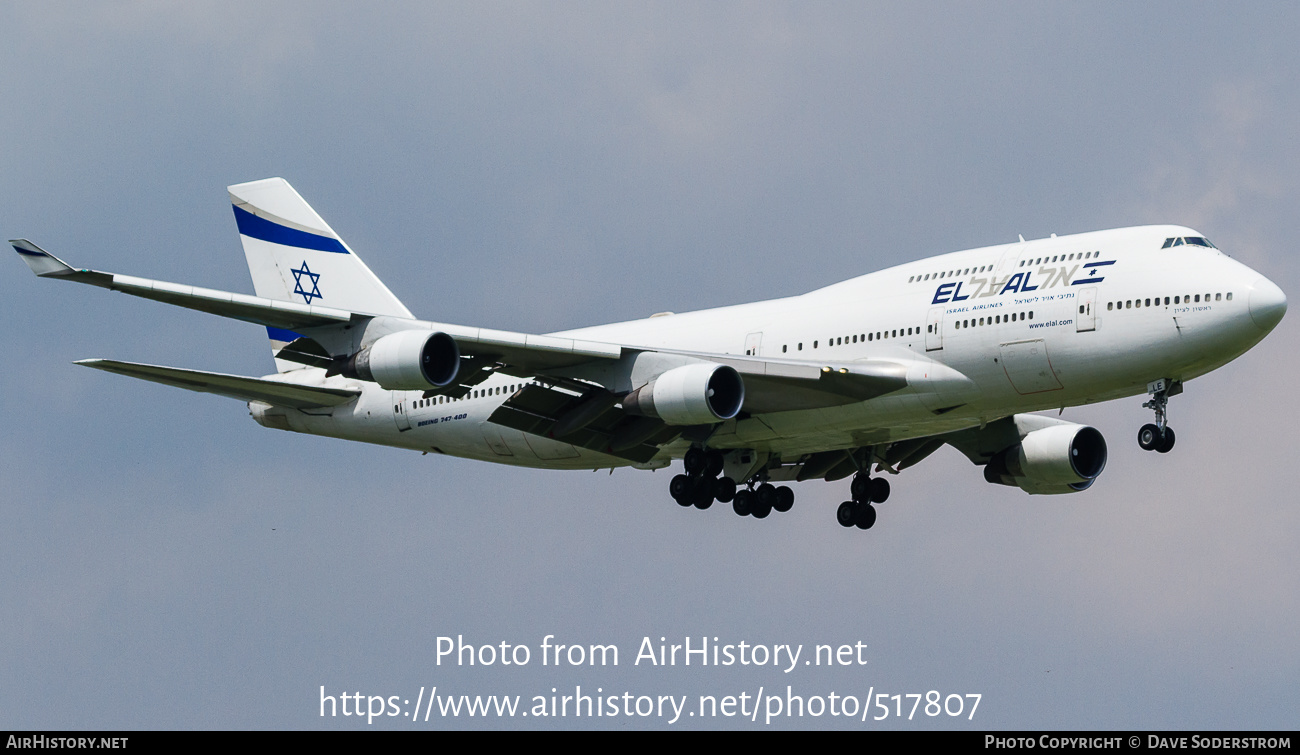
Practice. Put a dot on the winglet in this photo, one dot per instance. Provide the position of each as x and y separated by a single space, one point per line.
40 261
46 265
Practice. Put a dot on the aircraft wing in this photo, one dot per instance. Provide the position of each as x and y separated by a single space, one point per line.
772 384
526 352
274 392
269 312
782 385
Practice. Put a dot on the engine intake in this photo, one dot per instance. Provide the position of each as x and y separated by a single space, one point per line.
409 360
695 394
1056 459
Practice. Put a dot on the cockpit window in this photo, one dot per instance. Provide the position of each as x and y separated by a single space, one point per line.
1190 240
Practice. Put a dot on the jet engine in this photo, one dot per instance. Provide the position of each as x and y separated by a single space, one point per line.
408 360
1063 458
694 394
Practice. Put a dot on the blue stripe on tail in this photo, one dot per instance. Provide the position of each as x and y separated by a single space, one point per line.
258 227
277 334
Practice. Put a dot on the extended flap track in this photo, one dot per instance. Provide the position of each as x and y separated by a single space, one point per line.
537 407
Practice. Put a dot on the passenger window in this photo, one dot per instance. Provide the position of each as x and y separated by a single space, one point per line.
1110 305
1218 297
1229 296
783 348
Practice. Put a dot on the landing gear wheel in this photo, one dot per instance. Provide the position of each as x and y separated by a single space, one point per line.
879 490
845 514
713 464
767 495
695 461
760 510
680 489
864 516
702 494
724 489
1167 443
743 503
860 489
784 499
1149 437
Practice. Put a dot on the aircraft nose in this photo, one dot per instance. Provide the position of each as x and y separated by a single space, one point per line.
1267 304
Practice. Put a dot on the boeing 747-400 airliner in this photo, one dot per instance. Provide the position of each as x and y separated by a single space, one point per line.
866 376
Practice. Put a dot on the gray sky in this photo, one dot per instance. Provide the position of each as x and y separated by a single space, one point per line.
169 563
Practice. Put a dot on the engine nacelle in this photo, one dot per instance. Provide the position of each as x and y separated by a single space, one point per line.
694 394
408 360
1057 459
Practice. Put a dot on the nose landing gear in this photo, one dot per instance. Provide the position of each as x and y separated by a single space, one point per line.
1159 437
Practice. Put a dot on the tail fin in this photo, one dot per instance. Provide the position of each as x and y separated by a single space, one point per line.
293 255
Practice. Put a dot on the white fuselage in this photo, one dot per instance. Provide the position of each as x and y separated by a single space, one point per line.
1034 325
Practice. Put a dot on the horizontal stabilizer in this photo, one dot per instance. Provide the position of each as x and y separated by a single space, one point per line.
275 392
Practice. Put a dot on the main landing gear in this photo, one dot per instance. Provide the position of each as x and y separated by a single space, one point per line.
763 500
701 486
1159 436
865 491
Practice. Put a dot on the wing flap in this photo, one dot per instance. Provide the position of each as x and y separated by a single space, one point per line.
273 392
535 409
